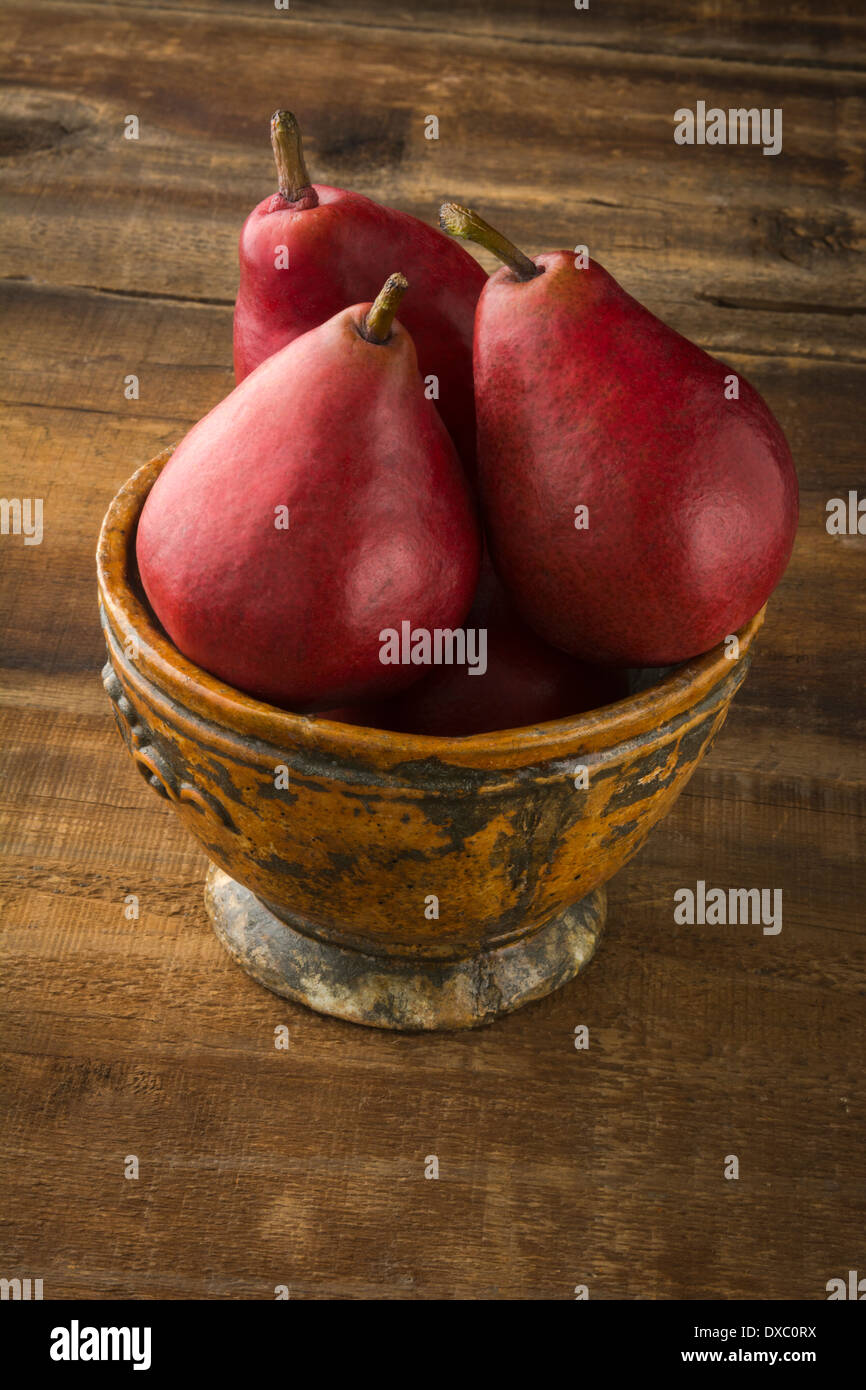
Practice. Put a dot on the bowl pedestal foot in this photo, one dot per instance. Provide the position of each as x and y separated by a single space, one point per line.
400 992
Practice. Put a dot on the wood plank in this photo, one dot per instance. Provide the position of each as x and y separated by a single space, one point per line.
181 354
753 30
735 1003
711 232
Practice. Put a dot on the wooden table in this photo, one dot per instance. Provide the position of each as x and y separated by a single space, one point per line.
305 1167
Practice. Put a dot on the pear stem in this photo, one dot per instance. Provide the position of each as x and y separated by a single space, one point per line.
294 181
377 325
463 222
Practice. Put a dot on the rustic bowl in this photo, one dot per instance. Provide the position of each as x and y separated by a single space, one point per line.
399 880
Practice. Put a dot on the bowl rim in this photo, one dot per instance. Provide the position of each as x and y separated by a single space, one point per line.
195 690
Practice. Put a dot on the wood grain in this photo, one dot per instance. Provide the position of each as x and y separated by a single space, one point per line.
305 1167
686 229
827 35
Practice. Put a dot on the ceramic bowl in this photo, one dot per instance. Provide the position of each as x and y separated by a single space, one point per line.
398 880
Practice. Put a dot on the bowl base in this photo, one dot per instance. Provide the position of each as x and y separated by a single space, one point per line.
398 992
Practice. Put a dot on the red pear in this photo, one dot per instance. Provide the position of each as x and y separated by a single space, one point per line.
525 681
639 497
309 250
317 505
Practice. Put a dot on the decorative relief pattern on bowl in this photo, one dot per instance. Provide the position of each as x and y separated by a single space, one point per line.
151 763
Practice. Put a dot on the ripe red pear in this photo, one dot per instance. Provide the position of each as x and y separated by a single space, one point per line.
318 504
525 681
309 250
586 400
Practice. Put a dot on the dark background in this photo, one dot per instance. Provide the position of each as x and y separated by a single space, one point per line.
119 1037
